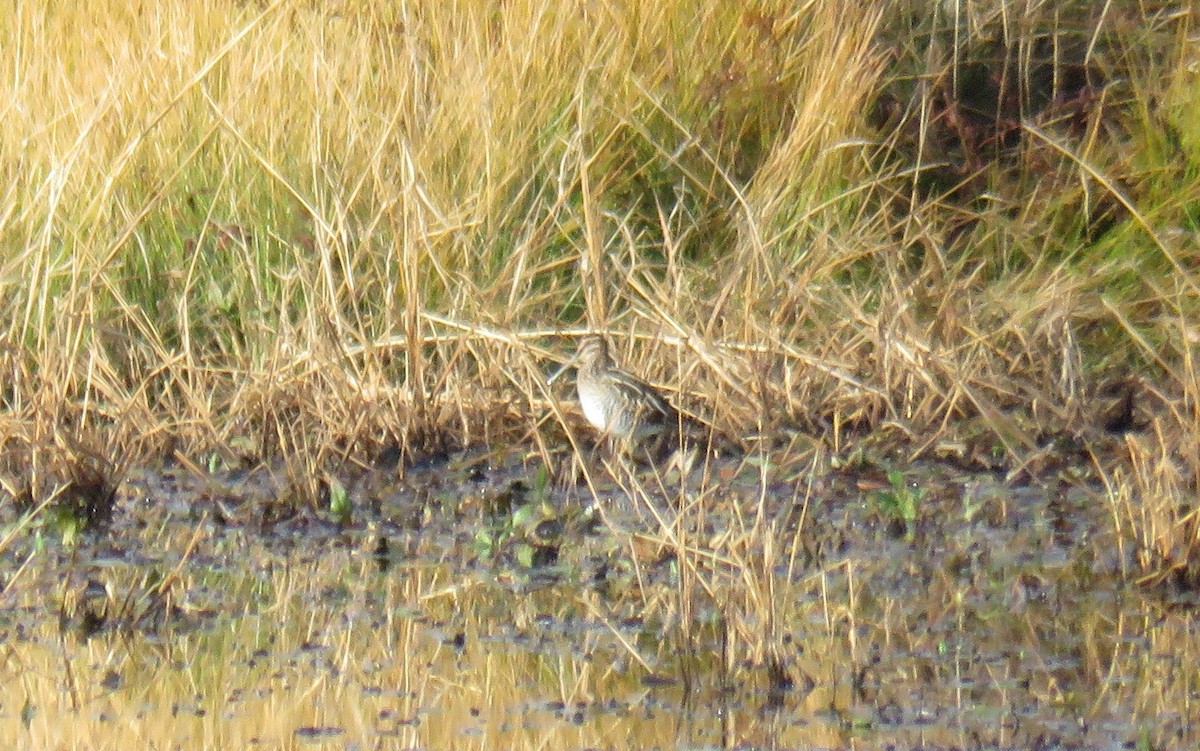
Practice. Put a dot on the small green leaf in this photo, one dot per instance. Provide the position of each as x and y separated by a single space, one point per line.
484 543
541 481
525 516
339 501
525 555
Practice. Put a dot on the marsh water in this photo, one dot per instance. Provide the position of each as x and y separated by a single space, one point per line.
469 602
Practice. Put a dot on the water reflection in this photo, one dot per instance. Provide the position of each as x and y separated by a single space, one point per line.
989 637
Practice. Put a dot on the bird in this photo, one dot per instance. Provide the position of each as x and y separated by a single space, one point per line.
622 406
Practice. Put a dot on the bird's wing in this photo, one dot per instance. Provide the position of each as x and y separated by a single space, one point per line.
639 392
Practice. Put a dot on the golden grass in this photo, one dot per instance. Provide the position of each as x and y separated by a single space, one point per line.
258 230
256 240
246 232
1152 494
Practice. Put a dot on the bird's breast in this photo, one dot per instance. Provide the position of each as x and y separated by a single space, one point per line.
595 410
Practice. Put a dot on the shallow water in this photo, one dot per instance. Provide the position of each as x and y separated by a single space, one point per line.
505 615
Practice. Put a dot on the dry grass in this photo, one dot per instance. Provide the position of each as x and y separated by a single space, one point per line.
253 231
1152 491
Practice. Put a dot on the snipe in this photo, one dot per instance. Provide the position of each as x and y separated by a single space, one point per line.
621 405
